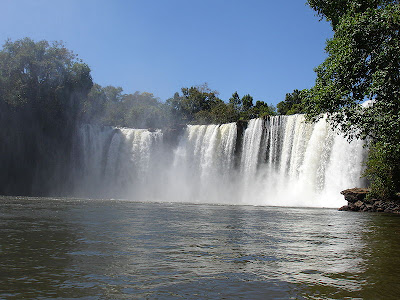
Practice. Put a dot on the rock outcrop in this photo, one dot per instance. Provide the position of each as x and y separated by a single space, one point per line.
357 201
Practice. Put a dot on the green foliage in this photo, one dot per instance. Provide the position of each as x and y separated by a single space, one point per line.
47 79
200 105
383 171
293 103
109 106
50 82
144 110
193 100
42 90
247 102
224 113
235 101
335 10
262 109
363 63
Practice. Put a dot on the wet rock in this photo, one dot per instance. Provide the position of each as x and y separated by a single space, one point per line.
355 194
345 208
377 204
359 204
356 201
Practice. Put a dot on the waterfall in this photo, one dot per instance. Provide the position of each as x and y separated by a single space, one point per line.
203 169
280 161
311 166
116 162
251 149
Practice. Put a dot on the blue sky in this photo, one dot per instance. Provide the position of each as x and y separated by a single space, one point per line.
258 47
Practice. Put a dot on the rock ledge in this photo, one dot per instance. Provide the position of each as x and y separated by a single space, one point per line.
356 201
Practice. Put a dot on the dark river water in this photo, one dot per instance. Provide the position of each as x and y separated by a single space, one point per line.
92 249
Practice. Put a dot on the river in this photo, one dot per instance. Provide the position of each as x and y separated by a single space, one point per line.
111 249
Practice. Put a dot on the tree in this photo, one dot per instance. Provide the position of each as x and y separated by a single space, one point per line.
143 110
235 101
103 106
224 113
192 101
247 102
42 90
110 106
363 63
293 103
335 11
262 109
200 105
48 80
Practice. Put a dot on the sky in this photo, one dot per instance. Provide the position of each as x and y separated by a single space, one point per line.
259 47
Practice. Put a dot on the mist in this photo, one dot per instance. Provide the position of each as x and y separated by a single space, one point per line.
278 161
46 95
64 135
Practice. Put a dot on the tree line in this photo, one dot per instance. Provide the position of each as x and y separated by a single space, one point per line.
193 105
52 84
45 90
42 87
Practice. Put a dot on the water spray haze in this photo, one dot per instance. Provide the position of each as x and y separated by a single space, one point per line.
280 161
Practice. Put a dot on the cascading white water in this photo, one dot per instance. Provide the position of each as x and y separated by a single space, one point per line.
116 161
313 165
251 150
203 168
281 161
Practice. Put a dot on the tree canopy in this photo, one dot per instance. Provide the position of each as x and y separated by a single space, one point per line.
42 88
293 103
201 105
47 79
110 106
363 63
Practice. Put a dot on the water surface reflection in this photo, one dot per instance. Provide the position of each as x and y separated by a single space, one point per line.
113 249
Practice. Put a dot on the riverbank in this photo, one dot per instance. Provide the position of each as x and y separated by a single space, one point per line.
357 201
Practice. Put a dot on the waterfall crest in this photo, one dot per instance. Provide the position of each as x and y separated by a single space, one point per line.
280 161
115 162
204 164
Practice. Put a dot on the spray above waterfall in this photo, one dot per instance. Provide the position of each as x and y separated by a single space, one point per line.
280 161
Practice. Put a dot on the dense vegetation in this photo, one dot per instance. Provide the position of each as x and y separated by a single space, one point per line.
45 91
110 106
294 103
194 105
41 92
363 63
49 82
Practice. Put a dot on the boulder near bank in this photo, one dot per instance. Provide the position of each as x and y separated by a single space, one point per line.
357 201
